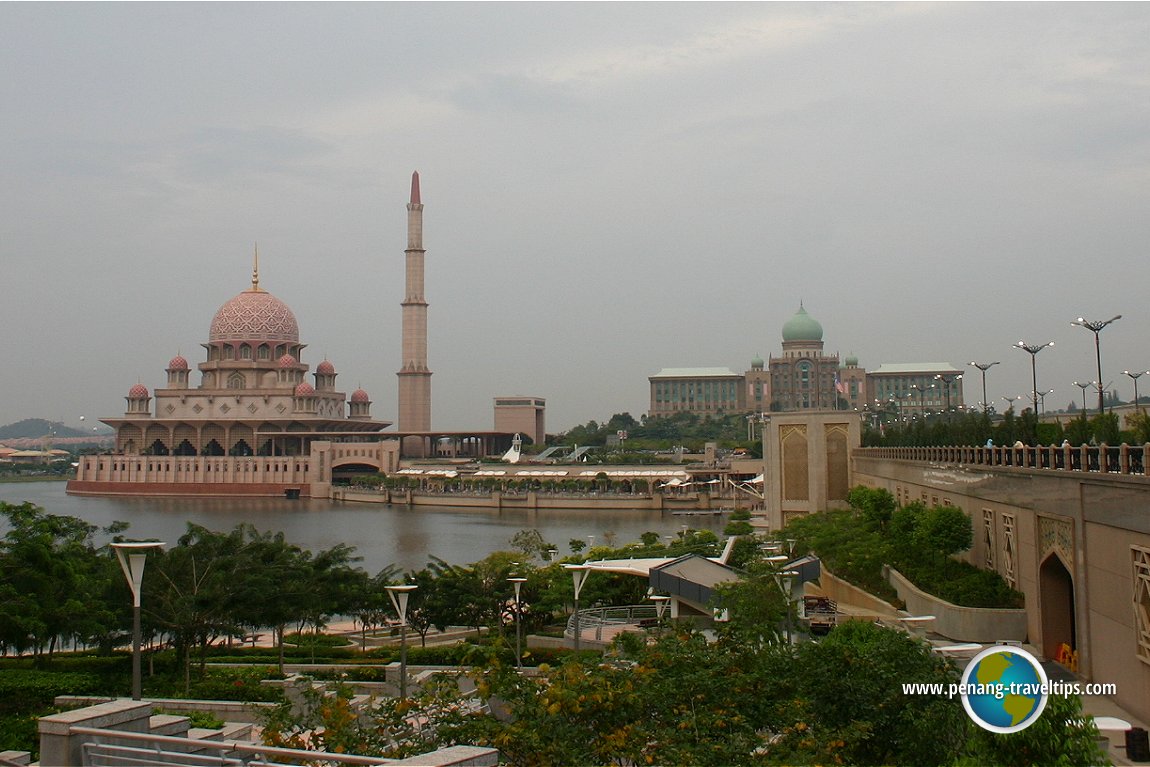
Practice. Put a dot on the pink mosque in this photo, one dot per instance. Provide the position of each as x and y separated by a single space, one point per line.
255 424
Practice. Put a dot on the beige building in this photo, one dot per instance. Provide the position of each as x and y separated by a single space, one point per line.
806 462
706 391
522 415
916 387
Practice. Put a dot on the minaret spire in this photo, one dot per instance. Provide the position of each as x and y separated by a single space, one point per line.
414 376
256 269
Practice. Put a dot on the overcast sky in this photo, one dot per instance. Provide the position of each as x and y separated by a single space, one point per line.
609 189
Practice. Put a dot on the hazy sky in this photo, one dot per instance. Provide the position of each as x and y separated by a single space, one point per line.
610 189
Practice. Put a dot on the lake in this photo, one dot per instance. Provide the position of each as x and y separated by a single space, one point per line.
381 534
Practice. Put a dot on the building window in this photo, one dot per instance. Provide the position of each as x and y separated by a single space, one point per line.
1008 550
988 539
236 381
1141 562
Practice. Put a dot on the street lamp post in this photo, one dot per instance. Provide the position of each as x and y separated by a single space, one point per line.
783 580
1083 387
399 594
1041 407
947 381
518 583
1095 327
1033 350
661 601
1134 377
578 578
1010 401
984 366
132 558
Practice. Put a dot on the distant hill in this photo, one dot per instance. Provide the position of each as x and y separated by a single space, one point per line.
35 428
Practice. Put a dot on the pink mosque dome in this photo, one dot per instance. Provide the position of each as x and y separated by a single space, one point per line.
139 391
287 361
325 368
178 363
304 390
359 395
254 316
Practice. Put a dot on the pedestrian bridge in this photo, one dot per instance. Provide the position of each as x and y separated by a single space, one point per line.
1068 526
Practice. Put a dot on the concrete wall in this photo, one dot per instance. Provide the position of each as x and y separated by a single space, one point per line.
846 593
963 624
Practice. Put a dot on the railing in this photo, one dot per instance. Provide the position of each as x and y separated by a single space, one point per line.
181 752
116 748
1133 460
599 618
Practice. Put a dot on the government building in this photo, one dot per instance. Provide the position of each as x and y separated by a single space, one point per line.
804 377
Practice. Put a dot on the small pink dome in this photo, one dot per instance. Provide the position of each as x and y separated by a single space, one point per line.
139 391
304 390
287 361
359 395
178 363
325 368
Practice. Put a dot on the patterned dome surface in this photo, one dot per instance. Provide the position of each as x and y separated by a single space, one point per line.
287 361
254 315
139 391
304 390
178 363
325 367
359 395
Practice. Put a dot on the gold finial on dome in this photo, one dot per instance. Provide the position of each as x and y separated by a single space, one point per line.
256 270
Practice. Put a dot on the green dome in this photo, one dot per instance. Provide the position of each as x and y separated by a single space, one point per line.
802 327
756 362
852 361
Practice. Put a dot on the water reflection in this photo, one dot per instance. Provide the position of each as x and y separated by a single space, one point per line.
382 535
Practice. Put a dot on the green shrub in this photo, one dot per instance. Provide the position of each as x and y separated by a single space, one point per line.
24 690
315 640
854 544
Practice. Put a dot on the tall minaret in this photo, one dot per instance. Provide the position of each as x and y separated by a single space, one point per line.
414 377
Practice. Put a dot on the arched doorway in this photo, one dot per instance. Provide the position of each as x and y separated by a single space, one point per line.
1056 589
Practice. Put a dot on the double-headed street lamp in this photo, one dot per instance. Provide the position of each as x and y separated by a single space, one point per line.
1084 387
132 558
1095 327
948 380
1134 377
1033 350
984 366
399 594
518 583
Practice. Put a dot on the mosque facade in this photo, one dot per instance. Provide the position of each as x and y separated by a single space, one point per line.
258 422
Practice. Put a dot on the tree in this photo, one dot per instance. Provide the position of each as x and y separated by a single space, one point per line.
851 708
53 581
1061 737
531 543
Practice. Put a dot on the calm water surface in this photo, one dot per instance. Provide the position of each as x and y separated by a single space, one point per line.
382 534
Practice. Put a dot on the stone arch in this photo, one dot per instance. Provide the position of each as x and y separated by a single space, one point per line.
1056 599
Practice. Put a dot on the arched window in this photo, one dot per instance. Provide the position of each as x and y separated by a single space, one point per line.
264 352
236 381
245 352
229 353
